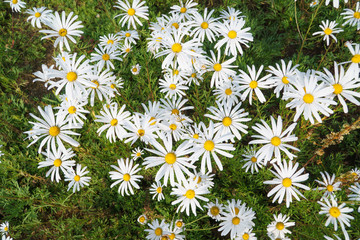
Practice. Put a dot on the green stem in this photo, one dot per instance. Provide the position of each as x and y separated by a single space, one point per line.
197 220
201 229
323 57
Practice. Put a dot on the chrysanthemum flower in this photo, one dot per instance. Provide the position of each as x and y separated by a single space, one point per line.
132 12
157 230
110 41
38 16
203 178
175 233
328 30
247 234
43 76
328 183
216 209
228 93
173 106
125 174
352 17
4 227
231 14
73 109
104 56
278 228
129 36
156 190
77 178
103 80
142 219
16 5
222 71
252 160
287 179
355 59
172 86
63 29
205 26
140 127
185 11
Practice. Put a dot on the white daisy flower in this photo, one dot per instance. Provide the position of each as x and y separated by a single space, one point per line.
103 89
352 17
275 139
77 178
73 109
230 14
52 129
132 12
174 232
203 178
328 30
63 29
216 209
308 97
125 174
172 86
16 5
130 36
278 228
43 76
38 16
251 83
355 173
314 3
222 71
247 234
58 159
139 127
4 227
117 84
136 153
114 120
228 93
179 224
135 70
142 219
328 183
126 48
110 41
233 35
153 111
287 179
157 230
185 11
173 106
156 190
188 195
175 126
252 160
335 3
205 26
104 57
174 163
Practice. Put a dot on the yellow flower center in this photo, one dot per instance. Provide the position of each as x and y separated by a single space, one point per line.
159 190
72 110
328 31
356 58
209 145
127 50
245 236
176 47
173 126
57 162
183 10
285 80
337 88
357 15
131 12
127 34
71 76
172 86
175 25
190 194
308 98
142 219
112 86
232 34
114 122
286 182
226 121
175 111
175 72
280 226
196 136
172 236
134 69
110 41
141 132
62 32
63 58
179 224
228 91
253 159
276 141
236 221
14 1
330 188
37 14
193 75
54 131
126 177
138 154
253 84
334 212
77 178
170 158
106 57
158 232
97 84
204 25
217 67
214 211
6 229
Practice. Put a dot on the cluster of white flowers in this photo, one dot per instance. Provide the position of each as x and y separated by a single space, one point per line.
4 229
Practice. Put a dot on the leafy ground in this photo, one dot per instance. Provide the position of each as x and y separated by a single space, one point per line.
40 209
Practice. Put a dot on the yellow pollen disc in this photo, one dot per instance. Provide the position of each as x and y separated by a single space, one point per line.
236 221
154 122
209 145
232 34
175 25
236 210
354 173
280 226
114 122
214 211
183 10
286 182
138 154
173 127
179 224
131 12
127 50
141 132
37 14
176 47
63 58
170 158
71 76
127 34
176 72
356 58
126 177
97 84
308 98
172 86
112 86
14 1
54 131
253 84
57 162
253 159
172 236
77 178
334 212
328 31
357 15
276 141
226 121
190 194
285 80
158 232
106 57
196 136
164 238
6 229
193 75
175 111
204 25
159 190
228 91
62 32
245 236
72 110
337 88
217 67
330 188
142 219
110 41
134 69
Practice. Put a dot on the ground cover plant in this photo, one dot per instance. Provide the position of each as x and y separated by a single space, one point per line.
179 120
